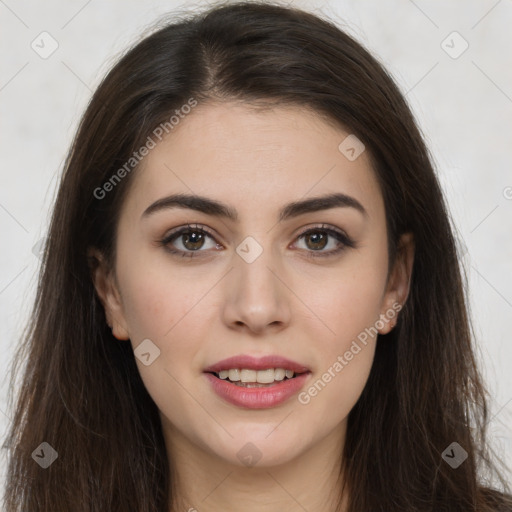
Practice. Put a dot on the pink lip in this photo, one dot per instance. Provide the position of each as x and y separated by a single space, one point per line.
257 398
256 363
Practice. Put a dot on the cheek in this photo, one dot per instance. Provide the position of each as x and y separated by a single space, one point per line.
164 308
326 402
158 297
345 354
349 305
348 300
171 318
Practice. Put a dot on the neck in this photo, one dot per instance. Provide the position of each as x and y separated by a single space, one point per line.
204 482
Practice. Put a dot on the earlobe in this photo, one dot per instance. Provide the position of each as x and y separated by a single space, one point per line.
389 317
108 293
120 332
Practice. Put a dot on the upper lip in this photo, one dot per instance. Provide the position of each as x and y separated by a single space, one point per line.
257 363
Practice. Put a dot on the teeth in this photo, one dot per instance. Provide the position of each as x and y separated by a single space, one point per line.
248 375
279 374
234 375
256 376
265 376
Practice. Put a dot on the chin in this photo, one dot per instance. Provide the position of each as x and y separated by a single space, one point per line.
259 449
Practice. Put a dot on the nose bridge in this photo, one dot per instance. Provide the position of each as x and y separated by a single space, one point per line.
253 262
256 297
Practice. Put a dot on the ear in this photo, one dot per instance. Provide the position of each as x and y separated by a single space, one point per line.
397 289
106 287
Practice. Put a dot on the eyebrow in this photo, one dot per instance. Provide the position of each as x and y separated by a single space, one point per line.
219 209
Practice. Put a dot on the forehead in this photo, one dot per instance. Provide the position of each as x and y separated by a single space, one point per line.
255 160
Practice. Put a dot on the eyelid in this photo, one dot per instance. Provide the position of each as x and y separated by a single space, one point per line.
324 227
177 232
332 231
188 227
343 238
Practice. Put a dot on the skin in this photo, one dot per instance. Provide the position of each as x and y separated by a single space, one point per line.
200 310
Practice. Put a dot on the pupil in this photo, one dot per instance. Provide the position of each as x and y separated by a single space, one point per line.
317 238
195 238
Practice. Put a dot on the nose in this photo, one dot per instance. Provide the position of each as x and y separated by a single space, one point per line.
256 295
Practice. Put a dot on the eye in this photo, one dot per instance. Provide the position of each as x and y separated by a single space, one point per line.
318 238
193 238
190 238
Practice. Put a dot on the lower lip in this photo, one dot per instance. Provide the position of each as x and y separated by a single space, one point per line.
257 398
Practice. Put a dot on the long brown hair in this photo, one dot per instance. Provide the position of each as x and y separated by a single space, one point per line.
81 391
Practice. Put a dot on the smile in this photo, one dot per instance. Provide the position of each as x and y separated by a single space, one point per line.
251 385
246 377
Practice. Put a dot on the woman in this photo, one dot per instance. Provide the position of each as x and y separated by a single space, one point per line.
250 295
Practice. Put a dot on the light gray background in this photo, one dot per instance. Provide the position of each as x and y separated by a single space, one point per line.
463 104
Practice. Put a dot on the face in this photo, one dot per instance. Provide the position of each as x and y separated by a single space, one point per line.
271 285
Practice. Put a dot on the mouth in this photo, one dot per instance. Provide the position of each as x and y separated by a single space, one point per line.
248 378
256 383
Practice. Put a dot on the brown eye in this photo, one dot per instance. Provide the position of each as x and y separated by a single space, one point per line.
316 240
192 240
188 240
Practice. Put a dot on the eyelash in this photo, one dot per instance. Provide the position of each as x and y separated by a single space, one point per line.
345 240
